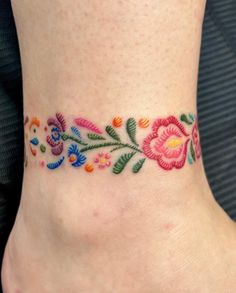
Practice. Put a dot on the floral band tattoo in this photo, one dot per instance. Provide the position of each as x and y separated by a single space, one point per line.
169 142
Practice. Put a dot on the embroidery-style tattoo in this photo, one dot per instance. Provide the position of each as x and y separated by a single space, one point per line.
31 137
170 142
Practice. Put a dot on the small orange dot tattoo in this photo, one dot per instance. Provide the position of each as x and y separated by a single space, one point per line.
144 122
117 121
89 168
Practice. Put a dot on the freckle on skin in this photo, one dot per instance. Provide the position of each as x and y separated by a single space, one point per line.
95 213
168 227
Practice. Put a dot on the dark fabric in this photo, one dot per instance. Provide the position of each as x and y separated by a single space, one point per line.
217 101
11 131
216 104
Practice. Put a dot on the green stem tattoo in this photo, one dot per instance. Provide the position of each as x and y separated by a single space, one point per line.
107 144
79 141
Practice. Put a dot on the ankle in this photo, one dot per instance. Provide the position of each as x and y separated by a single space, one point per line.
81 214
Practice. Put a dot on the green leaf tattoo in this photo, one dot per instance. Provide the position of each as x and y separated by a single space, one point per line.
185 119
131 130
112 133
138 165
192 151
191 116
122 162
95 136
42 148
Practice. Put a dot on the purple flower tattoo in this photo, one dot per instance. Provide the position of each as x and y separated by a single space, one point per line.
58 127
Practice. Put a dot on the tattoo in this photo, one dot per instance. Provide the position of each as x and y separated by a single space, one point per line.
169 141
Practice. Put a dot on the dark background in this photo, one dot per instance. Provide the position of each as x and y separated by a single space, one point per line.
216 106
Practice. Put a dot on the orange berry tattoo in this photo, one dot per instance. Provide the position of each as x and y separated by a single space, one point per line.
117 122
143 122
89 168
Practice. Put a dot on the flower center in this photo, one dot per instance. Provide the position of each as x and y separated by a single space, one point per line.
72 158
103 160
173 142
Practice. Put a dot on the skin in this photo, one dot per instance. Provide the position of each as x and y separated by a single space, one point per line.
115 233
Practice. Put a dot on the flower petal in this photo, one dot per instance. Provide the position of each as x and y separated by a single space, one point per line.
51 142
62 121
165 122
177 163
170 142
52 121
56 151
80 160
147 148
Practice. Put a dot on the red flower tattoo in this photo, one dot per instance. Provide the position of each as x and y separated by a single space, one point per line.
196 140
167 144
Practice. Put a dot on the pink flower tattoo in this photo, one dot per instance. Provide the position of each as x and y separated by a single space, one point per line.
167 144
102 160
